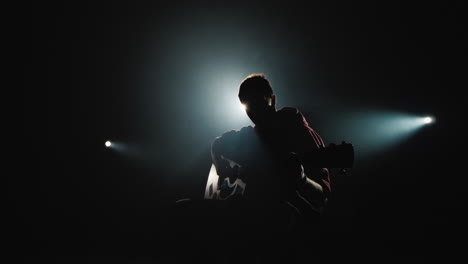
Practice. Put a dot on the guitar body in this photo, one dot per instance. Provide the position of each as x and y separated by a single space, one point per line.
333 156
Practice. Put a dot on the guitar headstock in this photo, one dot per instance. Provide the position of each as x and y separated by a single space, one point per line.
342 154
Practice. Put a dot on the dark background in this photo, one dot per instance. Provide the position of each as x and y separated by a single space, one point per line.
137 73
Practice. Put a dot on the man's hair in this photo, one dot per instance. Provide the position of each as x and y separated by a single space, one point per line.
255 85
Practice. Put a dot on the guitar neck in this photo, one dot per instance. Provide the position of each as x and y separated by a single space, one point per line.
332 156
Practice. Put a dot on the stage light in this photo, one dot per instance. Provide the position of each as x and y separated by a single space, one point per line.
129 149
374 130
428 120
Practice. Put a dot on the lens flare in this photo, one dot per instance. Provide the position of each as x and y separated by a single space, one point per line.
243 107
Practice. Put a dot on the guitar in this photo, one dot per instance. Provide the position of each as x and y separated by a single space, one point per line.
333 156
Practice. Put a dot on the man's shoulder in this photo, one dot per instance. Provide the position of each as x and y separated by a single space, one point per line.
287 110
231 140
236 133
291 114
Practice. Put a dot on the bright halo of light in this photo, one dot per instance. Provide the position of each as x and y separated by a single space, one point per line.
108 143
427 120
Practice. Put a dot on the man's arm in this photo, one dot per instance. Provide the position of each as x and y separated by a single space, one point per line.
221 148
219 162
315 186
315 193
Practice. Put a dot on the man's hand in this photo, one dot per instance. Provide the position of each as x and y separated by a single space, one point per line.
290 173
294 170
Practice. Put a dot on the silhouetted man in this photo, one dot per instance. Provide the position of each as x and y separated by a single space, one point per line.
264 192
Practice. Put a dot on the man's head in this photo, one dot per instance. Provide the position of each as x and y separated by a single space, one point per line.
256 94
